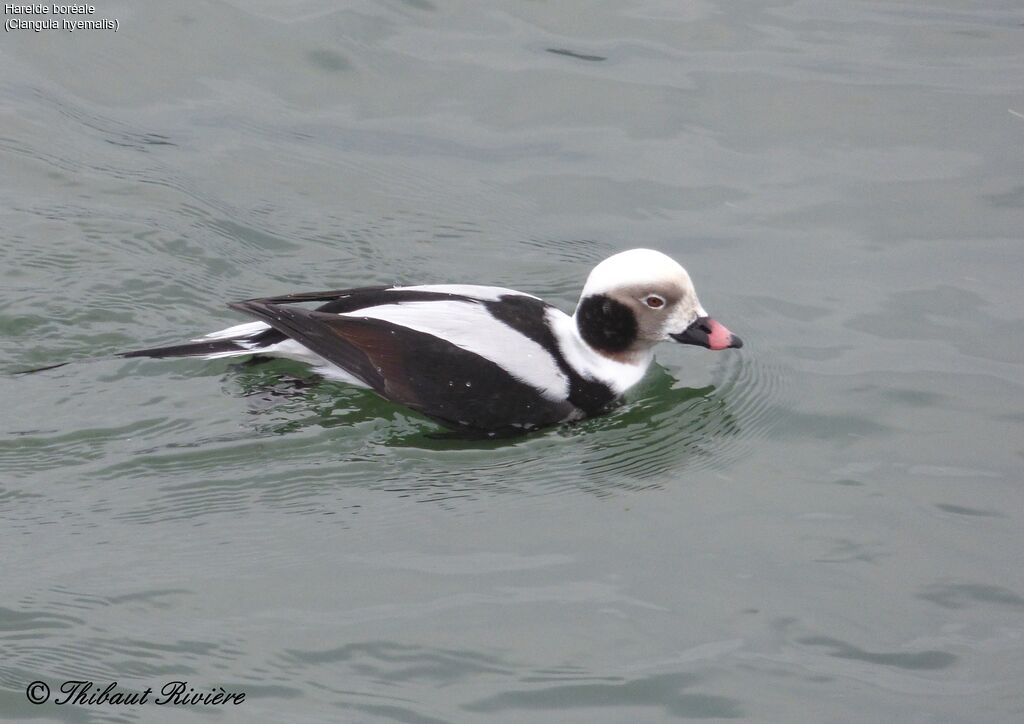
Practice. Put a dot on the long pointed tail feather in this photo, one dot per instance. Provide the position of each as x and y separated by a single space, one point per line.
219 347
33 370
191 349
249 338
225 347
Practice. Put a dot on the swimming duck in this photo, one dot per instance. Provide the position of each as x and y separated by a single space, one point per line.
481 358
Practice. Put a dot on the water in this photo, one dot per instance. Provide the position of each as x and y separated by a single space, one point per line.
823 526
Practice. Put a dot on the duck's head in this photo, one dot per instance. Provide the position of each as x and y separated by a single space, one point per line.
640 297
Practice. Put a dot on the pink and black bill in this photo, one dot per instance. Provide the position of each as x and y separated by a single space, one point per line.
706 332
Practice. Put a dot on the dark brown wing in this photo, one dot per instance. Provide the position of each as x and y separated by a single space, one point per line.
416 369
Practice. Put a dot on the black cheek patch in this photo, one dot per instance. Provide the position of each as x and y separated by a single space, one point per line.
605 324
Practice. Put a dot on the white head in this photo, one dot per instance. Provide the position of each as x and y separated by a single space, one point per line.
640 297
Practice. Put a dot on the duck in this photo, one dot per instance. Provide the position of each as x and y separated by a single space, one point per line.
478 358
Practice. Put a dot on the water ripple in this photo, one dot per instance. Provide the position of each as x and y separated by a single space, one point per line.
314 446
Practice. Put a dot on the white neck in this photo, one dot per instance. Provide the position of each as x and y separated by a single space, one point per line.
618 374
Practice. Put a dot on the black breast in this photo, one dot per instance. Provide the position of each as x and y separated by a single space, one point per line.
526 315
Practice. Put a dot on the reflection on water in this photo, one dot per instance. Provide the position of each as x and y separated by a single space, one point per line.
330 435
661 427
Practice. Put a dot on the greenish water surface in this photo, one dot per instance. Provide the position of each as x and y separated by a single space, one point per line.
825 526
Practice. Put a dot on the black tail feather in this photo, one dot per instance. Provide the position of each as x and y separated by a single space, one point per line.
39 369
190 349
254 344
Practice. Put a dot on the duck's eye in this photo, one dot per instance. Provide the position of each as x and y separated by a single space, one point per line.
654 301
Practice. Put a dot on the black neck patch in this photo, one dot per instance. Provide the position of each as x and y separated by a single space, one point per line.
605 324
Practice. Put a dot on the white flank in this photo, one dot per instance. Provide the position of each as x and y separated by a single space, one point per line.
470 326
619 376
230 353
290 349
248 329
490 294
